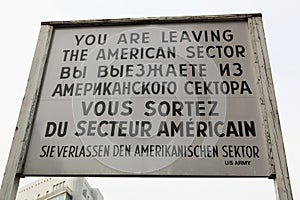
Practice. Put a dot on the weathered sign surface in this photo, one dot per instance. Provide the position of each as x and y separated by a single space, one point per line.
176 99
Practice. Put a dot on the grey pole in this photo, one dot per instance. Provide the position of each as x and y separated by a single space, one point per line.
21 138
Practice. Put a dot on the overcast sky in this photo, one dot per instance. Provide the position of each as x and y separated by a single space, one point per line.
20 21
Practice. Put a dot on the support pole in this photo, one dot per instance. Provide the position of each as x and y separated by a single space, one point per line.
282 180
14 166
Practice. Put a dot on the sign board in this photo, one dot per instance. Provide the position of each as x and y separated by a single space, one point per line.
174 98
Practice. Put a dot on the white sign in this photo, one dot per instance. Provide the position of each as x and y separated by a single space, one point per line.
160 99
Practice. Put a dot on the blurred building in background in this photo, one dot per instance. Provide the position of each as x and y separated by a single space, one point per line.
59 189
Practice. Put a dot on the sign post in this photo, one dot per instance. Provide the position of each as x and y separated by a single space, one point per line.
179 96
271 117
22 134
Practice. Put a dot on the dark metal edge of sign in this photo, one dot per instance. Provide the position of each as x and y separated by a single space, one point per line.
151 20
146 176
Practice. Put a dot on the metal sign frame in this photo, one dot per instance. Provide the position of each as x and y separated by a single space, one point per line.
270 116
